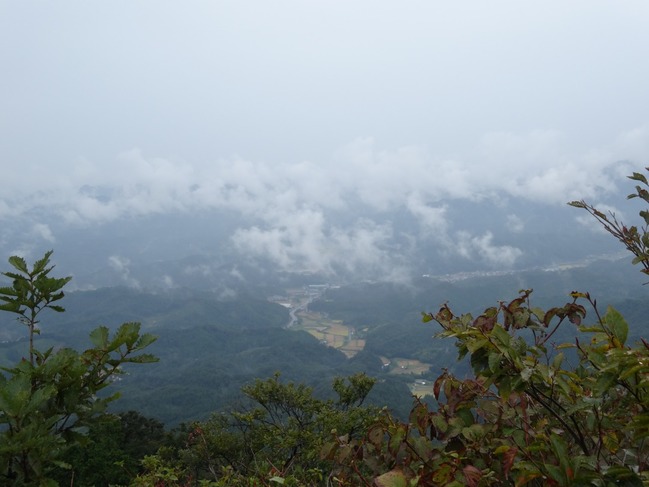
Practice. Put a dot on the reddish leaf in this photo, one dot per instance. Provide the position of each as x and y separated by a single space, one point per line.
375 435
528 477
484 323
419 416
508 460
444 314
438 385
472 475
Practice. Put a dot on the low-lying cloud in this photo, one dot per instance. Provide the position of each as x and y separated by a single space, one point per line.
482 248
121 266
332 214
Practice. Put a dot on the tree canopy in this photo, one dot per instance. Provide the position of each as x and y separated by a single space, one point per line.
49 400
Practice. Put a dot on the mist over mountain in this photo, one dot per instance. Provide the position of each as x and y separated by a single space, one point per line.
219 144
207 250
251 226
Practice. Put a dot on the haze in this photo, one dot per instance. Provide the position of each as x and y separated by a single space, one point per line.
375 138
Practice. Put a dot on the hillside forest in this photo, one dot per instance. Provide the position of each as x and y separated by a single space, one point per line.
549 386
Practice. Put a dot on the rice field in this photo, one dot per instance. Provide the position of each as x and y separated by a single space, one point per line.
420 390
409 366
352 347
334 333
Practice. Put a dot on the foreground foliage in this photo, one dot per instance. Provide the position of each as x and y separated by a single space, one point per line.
48 400
275 439
112 451
535 412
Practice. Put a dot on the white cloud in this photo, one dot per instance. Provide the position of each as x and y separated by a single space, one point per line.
431 218
536 166
482 247
304 242
201 270
43 231
541 166
122 266
515 224
290 210
291 240
633 145
236 273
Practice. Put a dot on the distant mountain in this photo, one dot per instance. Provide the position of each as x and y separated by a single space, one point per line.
227 251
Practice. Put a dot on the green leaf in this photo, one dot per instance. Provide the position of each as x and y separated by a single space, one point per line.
577 204
62 464
466 416
39 265
13 307
127 334
604 383
15 277
99 337
328 449
557 360
622 475
502 336
645 214
145 358
19 263
393 478
474 345
494 361
505 387
599 214
473 432
632 370
145 340
8 291
617 324
526 373
556 473
396 439
638 177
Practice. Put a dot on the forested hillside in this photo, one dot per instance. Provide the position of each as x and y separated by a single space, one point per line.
209 346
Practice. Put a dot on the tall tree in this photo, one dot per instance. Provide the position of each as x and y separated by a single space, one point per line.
275 440
48 400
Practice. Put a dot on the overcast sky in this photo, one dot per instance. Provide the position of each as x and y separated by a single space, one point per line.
288 111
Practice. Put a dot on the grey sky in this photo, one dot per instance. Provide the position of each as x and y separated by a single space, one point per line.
288 110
